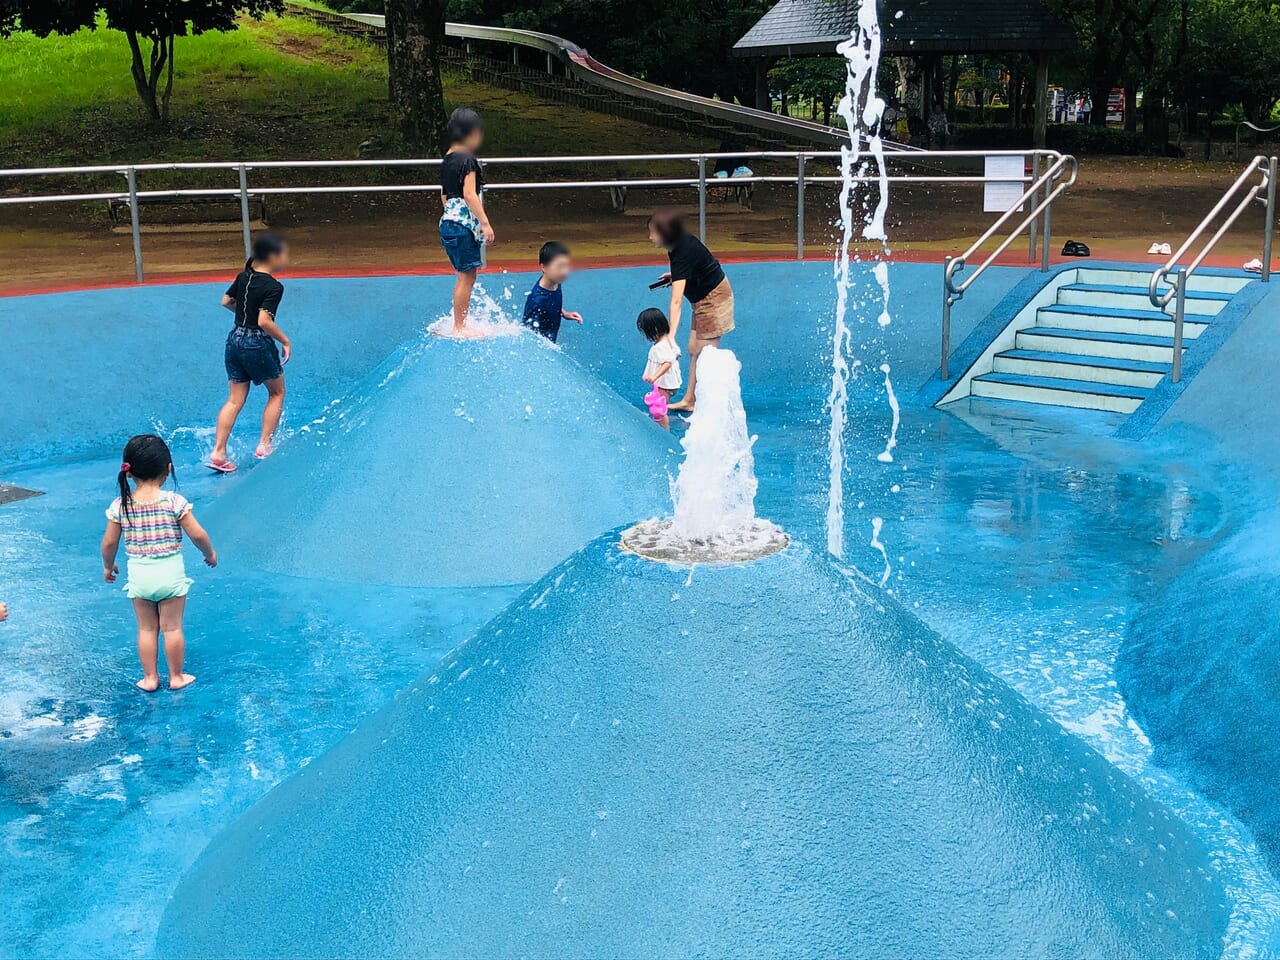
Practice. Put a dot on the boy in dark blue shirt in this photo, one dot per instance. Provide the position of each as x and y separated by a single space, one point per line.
544 307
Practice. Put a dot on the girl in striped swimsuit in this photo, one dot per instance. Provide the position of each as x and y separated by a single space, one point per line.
152 521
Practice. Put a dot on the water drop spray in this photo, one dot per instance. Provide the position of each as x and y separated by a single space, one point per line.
862 109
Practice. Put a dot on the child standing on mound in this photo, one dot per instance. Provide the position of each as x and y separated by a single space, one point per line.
544 306
153 520
464 225
250 355
663 366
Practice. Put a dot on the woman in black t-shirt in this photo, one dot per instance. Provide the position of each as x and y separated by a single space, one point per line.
696 276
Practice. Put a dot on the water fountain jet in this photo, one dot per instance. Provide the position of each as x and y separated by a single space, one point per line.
714 518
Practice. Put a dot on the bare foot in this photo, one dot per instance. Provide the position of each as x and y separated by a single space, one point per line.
682 407
183 680
149 684
264 450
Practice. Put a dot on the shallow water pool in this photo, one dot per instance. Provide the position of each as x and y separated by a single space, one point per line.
1026 538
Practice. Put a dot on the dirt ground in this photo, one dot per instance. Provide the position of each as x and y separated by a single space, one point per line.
1118 206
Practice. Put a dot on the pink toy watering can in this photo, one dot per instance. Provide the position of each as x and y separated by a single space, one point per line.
656 401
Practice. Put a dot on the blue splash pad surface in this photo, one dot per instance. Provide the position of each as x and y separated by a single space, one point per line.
1024 539
1201 672
106 795
753 760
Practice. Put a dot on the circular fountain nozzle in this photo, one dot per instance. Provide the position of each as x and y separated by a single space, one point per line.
713 496
659 540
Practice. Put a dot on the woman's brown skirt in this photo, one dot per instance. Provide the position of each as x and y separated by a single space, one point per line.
713 314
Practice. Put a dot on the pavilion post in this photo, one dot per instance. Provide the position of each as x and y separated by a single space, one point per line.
763 101
1042 98
926 84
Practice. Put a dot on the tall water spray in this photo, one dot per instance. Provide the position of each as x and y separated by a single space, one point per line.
714 517
862 109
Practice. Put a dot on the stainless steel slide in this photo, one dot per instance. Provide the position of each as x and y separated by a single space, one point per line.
580 65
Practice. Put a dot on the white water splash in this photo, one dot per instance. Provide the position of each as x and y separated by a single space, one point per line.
877 524
713 495
486 318
881 273
716 486
887 455
861 108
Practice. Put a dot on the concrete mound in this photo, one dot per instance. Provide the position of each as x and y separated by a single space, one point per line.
455 464
754 760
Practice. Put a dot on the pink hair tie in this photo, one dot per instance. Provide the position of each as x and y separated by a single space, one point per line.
124 467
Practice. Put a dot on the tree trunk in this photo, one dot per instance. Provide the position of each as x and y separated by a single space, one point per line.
1099 92
1155 121
1015 98
912 81
953 80
415 34
141 80
1131 106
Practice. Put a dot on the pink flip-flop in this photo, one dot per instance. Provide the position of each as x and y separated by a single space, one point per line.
222 466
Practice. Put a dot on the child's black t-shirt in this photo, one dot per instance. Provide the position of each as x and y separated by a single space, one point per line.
252 291
454 170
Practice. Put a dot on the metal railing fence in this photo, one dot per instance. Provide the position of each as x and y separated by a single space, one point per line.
701 178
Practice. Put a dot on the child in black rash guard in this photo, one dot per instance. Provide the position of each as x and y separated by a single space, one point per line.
251 354
464 225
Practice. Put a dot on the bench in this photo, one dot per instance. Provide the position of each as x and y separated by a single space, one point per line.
119 212
721 189
724 190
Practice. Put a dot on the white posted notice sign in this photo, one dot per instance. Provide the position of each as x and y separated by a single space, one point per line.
1004 184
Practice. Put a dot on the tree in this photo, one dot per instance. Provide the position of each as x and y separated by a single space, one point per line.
665 41
415 35
820 80
1110 34
1232 59
150 26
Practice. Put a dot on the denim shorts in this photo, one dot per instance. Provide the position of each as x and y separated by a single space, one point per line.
466 253
251 355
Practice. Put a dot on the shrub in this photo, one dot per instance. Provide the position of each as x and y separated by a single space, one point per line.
992 116
1077 138
1083 138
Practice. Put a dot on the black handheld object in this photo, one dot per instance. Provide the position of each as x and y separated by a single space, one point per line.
664 282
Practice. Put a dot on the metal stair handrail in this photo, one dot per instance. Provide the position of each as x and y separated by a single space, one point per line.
1176 292
1053 183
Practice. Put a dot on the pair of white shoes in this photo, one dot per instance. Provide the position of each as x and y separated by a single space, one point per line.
1158 248
1254 266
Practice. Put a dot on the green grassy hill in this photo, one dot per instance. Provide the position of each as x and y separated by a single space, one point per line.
280 88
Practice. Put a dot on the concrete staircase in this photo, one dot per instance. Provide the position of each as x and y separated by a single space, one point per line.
1100 344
